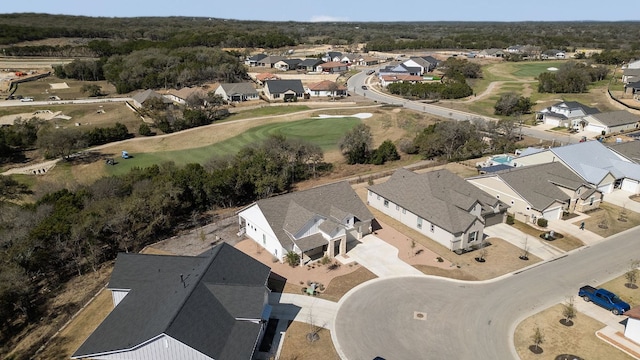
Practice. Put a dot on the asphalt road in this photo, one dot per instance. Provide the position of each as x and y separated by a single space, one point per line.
356 82
467 320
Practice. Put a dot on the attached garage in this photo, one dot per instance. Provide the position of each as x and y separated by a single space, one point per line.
630 185
605 188
552 214
493 219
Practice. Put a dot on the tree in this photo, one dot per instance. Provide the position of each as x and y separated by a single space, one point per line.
511 103
385 152
569 311
356 144
92 89
10 189
144 130
292 258
632 274
538 338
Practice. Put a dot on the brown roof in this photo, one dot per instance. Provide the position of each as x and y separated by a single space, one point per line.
390 78
634 312
332 64
267 76
325 85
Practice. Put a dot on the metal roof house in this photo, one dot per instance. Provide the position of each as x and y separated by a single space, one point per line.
595 163
211 306
438 204
535 191
313 223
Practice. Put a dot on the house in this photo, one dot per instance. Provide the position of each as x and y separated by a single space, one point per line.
399 69
287 90
385 80
425 63
332 56
181 96
539 191
262 77
515 49
312 223
553 54
254 60
632 88
237 92
630 75
348 58
333 67
608 122
211 306
326 88
140 98
368 61
438 204
560 114
633 65
310 65
287 64
595 163
270 61
492 53
632 327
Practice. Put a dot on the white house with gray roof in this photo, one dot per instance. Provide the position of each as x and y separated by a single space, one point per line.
595 163
539 191
561 114
610 122
211 306
312 223
438 204
237 92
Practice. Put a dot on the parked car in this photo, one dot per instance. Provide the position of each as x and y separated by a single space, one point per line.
604 298
26 99
364 87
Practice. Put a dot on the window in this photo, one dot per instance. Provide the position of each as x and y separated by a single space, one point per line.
432 228
473 236
276 96
397 207
386 203
419 224
591 200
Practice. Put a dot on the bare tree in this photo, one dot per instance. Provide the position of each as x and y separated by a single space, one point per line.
632 275
569 311
538 338
525 249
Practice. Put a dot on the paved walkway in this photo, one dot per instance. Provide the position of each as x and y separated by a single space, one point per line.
379 257
303 308
572 227
517 238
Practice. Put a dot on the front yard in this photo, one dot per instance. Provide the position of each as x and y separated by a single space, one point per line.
611 219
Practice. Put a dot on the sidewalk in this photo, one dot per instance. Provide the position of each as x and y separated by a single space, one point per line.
517 238
379 257
621 198
572 227
303 308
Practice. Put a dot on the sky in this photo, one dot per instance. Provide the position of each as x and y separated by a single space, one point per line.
338 10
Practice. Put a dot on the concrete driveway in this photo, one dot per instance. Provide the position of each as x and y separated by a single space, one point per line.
379 257
621 198
517 238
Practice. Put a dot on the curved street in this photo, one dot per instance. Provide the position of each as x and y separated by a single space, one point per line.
426 317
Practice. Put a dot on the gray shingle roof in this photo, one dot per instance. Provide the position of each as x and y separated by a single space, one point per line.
143 96
538 184
243 88
201 312
282 86
284 211
440 197
616 118
311 62
629 149
631 72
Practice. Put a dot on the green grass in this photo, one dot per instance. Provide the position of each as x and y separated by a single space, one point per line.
534 68
267 111
323 132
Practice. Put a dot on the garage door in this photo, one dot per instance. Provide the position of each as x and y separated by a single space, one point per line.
630 186
606 188
552 214
493 219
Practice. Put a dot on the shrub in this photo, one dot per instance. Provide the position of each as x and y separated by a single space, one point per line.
542 222
510 220
144 130
292 258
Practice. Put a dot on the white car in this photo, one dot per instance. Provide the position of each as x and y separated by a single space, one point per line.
27 99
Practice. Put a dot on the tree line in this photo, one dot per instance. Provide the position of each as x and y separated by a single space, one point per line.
571 77
69 232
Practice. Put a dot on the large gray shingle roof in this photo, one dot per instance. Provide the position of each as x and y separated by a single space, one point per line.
616 118
287 213
200 311
440 197
282 86
243 88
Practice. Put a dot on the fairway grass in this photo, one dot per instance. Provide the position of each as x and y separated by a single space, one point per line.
322 132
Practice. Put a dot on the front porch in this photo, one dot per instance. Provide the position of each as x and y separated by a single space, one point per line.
315 247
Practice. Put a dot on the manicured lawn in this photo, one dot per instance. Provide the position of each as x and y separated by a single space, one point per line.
323 132
534 68
268 111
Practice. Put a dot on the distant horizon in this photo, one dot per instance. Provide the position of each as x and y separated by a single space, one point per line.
503 11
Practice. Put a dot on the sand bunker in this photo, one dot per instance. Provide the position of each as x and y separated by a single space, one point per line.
552 69
358 115
57 86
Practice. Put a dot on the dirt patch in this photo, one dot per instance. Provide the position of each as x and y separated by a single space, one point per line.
296 345
606 220
579 339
